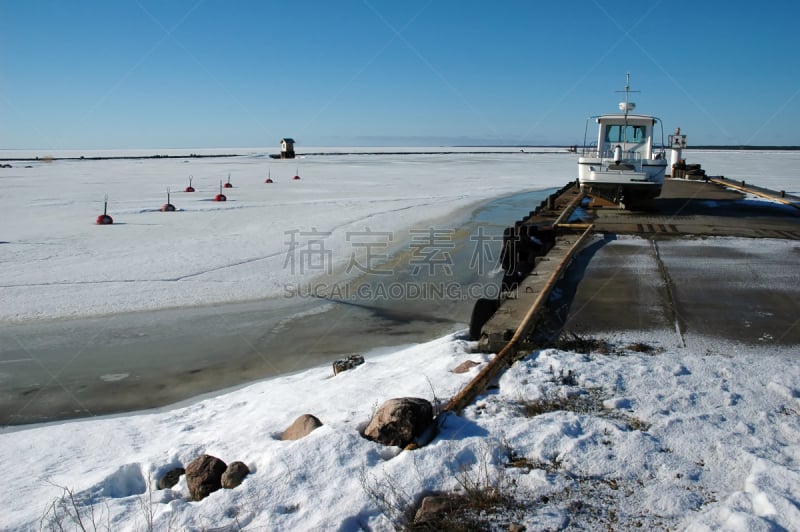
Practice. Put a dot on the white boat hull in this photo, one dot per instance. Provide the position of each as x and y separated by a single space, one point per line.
627 183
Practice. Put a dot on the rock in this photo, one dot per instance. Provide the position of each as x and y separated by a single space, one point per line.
433 505
234 475
170 478
204 476
343 364
301 427
399 421
465 366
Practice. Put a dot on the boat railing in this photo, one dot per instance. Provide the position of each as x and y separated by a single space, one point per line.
627 155
632 155
589 150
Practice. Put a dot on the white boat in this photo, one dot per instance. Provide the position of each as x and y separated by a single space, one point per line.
623 165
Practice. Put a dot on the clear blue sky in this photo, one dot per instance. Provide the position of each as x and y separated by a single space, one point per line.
212 73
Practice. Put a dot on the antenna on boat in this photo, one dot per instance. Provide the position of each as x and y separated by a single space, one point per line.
627 106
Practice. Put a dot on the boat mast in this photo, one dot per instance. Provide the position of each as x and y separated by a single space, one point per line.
626 106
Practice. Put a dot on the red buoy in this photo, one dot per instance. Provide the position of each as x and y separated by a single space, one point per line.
228 184
105 219
269 178
190 188
296 174
220 196
168 207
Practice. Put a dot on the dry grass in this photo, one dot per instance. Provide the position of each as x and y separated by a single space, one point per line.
576 343
484 495
71 511
587 345
641 347
587 402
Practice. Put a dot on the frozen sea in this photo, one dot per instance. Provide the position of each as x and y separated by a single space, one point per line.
161 306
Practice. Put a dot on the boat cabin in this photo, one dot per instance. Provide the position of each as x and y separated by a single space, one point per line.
622 138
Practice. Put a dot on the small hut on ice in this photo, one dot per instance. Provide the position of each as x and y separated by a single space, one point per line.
287 148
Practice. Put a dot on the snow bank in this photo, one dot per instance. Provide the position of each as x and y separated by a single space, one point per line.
677 438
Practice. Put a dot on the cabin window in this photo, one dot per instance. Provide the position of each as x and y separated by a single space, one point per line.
621 133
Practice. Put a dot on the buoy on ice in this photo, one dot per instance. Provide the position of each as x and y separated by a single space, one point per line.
190 188
105 219
296 174
269 177
168 207
220 196
228 184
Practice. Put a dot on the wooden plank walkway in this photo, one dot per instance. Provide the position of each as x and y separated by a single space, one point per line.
780 197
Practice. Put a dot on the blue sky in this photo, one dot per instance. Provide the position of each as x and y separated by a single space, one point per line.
211 73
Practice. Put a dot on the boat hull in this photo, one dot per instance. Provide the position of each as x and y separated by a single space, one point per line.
627 183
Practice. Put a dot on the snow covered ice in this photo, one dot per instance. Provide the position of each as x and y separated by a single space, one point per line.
698 437
57 263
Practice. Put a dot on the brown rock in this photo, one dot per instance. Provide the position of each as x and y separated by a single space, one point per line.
170 478
399 421
234 475
433 505
465 366
301 427
204 476
343 364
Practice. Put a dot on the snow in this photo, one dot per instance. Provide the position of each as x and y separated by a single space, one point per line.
690 438
701 437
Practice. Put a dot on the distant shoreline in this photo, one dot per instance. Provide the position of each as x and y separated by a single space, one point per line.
298 155
478 150
745 147
116 157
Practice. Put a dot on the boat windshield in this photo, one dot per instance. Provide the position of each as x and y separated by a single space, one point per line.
623 133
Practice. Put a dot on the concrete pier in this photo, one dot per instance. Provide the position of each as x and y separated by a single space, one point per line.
505 322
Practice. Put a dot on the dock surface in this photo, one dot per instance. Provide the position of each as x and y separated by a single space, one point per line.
705 260
702 208
745 291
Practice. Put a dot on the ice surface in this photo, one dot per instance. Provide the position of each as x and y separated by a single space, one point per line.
776 170
57 263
